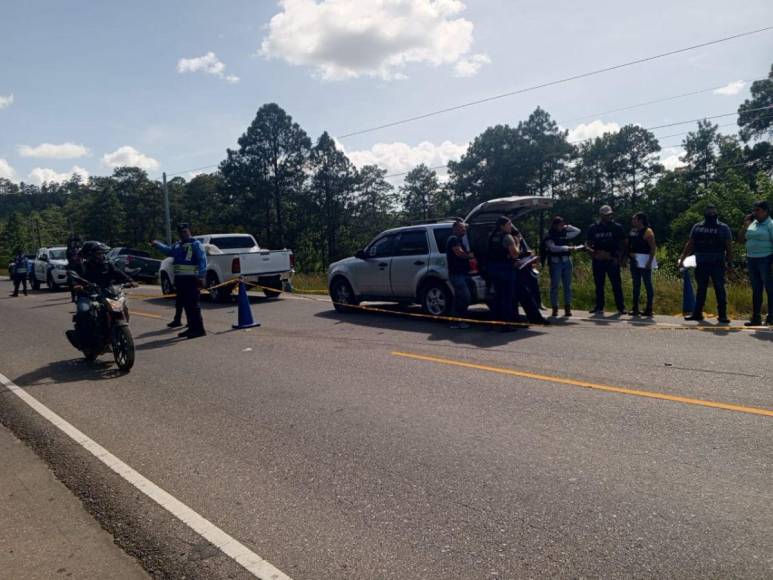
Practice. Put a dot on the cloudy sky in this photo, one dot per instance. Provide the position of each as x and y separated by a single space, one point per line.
88 86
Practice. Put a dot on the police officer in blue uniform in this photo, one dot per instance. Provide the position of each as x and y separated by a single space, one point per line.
712 243
19 272
190 268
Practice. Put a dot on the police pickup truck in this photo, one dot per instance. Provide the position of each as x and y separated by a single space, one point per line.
230 256
408 264
50 268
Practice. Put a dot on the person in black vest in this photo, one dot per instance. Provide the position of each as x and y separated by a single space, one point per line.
502 254
458 259
606 239
712 243
558 255
73 262
641 249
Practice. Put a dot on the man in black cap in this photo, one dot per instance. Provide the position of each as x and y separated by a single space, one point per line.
502 254
712 243
606 239
190 269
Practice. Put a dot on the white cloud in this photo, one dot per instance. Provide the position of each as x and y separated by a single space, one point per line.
671 158
6 171
401 157
469 67
343 39
51 151
208 64
731 88
592 130
128 156
41 175
6 101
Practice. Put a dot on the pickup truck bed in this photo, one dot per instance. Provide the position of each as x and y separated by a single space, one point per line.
232 255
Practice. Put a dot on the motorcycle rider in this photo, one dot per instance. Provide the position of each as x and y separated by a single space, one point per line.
94 268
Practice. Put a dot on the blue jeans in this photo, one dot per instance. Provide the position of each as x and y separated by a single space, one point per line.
462 298
503 275
638 275
716 272
561 274
761 277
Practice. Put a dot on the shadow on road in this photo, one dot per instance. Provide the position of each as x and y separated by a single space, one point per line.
479 336
70 371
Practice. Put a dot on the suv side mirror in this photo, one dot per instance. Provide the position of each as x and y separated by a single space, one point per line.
360 255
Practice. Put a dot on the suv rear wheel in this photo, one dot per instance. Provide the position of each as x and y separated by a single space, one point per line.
436 298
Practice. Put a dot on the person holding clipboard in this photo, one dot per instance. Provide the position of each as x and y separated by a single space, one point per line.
641 250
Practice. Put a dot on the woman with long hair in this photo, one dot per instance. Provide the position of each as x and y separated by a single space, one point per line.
641 249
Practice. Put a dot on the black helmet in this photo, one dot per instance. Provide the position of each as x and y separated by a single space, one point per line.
91 249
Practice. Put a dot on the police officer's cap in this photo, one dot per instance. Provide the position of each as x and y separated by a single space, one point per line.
183 226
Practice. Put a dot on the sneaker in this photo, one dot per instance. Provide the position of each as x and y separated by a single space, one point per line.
174 324
199 334
648 313
636 314
754 322
596 311
459 326
621 312
724 319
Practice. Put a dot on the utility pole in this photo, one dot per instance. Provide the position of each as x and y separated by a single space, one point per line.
167 219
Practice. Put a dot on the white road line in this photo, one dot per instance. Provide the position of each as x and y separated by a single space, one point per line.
240 553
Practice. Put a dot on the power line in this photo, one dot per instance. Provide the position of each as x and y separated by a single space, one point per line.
766 108
555 82
652 102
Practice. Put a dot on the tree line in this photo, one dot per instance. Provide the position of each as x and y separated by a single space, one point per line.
291 191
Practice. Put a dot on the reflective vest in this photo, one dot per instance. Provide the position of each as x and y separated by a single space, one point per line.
186 260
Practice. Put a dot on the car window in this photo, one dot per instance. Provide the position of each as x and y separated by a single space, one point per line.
233 242
57 254
381 247
412 243
441 238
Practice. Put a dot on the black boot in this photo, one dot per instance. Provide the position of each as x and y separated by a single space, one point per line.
555 312
568 311
722 318
756 320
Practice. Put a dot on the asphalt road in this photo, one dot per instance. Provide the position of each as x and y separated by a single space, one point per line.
473 454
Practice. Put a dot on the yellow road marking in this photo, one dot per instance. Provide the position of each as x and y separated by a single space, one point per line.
587 385
145 314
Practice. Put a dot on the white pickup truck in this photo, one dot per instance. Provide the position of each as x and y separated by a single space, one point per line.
50 268
232 255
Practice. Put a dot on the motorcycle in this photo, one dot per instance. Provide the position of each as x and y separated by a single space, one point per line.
102 323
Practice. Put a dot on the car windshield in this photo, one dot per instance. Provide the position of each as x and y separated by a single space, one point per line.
57 254
233 242
133 252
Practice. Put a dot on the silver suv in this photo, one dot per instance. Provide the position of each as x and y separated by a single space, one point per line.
408 264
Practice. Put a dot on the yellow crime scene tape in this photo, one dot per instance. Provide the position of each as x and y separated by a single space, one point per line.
473 321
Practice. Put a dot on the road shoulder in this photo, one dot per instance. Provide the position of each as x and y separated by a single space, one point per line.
46 533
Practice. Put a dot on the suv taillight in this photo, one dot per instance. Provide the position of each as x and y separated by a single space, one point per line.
292 260
236 266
